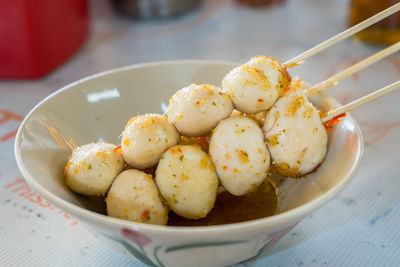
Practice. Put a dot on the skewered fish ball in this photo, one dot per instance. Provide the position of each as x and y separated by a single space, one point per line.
92 168
256 85
240 155
146 138
134 196
196 109
296 137
187 180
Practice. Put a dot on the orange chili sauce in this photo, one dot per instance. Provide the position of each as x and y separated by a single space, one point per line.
329 124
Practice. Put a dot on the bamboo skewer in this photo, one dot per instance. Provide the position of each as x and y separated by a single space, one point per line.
361 101
341 36
356 67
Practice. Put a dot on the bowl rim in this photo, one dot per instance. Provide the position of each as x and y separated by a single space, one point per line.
282 219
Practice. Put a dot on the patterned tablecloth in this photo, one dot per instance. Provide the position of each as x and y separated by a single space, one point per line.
360 227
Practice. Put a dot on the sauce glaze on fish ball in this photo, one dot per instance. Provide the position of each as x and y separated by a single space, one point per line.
92 168
240 155
296 137
256 85
187 180
134 196
196 109
146 138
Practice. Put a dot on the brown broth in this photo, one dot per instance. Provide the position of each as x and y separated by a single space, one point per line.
227 209
232 209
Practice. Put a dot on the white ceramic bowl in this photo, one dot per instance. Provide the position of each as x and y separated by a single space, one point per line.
97 108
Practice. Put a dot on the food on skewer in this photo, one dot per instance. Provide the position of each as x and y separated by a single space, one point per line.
241 158
185 175
134 196
92 168
195 110
256 85
146 138
299 151
295 135
187 180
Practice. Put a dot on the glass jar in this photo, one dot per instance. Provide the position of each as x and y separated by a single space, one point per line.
384 32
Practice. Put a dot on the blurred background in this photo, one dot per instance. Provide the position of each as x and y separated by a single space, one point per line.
53 43
45 45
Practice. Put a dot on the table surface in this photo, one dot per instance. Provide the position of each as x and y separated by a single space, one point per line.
360 227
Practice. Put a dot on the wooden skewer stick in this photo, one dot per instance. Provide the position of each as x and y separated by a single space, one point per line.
361 101
316 89
341 36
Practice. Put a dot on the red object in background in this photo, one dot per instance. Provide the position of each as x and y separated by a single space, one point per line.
36 36
261 3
